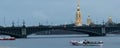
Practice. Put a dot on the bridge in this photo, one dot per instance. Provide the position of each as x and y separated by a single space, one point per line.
23 32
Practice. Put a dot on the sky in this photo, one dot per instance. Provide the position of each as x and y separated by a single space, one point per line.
56 11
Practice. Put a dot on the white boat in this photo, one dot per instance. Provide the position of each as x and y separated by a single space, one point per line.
86 43
7 38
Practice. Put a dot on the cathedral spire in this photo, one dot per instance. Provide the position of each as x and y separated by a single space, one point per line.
78 21
89 20
110 19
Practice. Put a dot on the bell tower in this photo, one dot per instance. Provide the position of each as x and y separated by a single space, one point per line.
78 21
89 20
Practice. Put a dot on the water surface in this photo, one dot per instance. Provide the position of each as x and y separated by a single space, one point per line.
59 41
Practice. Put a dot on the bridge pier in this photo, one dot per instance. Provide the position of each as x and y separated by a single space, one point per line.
101 33
23 33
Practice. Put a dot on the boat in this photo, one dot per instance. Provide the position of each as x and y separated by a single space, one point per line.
7 38
86 43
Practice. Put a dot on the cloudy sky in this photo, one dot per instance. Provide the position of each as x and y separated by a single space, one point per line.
56 11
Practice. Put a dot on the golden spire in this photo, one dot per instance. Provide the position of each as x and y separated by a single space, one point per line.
78 21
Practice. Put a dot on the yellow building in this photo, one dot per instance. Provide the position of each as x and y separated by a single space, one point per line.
109 22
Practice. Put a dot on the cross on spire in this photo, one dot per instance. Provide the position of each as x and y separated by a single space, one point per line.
78 5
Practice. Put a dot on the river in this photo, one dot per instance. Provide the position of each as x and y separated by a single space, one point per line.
59 41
